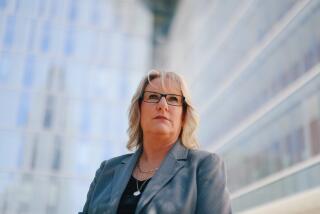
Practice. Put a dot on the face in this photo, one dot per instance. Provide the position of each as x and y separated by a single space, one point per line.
161 118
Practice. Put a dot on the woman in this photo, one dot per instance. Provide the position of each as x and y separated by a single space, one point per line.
166 174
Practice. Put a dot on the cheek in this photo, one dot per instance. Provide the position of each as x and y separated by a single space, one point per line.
144 112
178 117
142 116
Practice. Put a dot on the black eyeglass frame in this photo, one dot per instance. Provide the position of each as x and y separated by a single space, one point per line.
184 104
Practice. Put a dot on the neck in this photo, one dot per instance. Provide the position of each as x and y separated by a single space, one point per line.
155 149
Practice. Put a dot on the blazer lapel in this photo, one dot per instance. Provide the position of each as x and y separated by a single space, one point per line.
170 166
121 177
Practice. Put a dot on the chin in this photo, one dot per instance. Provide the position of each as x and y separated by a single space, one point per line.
161 130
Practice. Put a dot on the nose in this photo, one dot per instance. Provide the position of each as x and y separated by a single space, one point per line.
162 104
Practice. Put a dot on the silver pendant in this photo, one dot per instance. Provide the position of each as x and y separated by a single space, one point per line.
136 193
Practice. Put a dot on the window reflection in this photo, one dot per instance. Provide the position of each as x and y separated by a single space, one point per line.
279 143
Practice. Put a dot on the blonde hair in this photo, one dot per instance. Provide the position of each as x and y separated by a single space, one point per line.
191 119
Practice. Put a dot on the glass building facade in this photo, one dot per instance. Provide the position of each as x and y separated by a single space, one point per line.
67 73
68 70
254 67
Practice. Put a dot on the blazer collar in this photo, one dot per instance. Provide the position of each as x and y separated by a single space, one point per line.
172 163
121 178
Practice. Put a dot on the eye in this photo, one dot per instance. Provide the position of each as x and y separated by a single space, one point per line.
153 97
173 99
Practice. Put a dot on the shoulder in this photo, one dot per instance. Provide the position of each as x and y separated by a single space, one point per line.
209 166
205 161
200 156
113 162
117 160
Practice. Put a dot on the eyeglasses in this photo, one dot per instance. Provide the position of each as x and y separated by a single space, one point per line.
154 97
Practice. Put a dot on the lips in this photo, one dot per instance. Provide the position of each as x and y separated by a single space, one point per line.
161 117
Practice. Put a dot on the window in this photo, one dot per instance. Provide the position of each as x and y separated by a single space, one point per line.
28 71
46 32
9 32
49 112
23 109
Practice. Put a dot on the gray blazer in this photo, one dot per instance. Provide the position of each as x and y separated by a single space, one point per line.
188 181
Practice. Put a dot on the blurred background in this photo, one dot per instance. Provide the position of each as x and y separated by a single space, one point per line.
68 69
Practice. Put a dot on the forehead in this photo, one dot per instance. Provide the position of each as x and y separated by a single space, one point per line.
164 85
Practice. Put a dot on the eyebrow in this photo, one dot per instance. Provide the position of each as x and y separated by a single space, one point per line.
163 93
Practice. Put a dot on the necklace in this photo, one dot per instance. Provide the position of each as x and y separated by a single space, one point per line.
146 172
138 192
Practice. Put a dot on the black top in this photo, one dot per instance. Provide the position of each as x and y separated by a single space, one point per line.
128 201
